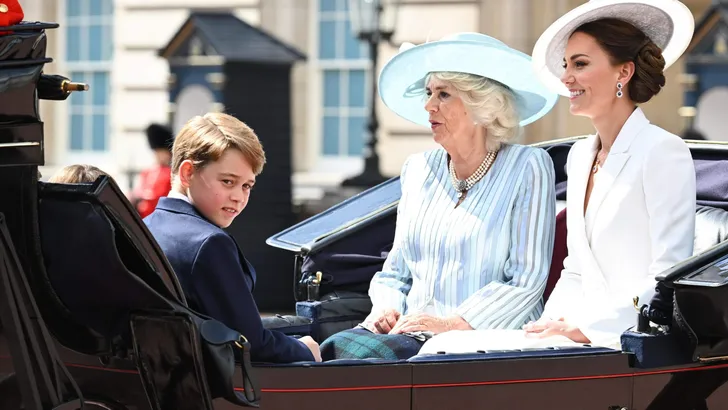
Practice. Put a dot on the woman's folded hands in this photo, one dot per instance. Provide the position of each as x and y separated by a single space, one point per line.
393 322
544 327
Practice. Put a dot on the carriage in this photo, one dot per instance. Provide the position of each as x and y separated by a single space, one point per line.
92 315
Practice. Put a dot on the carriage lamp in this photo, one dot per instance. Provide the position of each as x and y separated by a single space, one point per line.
314 284
57 87
372 21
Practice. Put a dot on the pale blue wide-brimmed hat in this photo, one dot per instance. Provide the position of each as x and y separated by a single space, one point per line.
402 79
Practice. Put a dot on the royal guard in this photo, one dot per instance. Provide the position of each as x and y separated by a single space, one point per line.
10 14
155 182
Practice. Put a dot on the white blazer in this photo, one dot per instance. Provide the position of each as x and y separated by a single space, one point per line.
640 220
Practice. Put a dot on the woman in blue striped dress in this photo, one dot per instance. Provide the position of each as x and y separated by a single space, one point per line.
475 223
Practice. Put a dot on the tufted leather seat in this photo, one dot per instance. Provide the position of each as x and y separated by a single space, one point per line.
560 252
711 228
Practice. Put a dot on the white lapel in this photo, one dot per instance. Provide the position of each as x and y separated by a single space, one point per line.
616 160
579 172
579 175
603 182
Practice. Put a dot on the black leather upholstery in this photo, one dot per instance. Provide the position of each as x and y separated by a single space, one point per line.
711 228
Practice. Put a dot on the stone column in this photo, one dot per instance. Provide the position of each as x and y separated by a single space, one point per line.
47 10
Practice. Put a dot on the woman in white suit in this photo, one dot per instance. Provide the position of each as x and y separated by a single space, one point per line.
631 191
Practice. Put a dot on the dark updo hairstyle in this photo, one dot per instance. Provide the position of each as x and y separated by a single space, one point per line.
625 42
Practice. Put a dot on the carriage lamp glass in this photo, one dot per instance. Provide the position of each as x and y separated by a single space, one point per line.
372 22
373 19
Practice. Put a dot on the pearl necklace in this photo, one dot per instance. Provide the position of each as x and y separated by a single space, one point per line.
462 186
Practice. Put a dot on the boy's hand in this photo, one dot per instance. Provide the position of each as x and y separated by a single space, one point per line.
312 346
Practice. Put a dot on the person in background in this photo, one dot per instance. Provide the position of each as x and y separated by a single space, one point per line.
155 182
77 174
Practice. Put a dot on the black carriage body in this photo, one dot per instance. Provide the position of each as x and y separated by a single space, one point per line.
104 332
577 378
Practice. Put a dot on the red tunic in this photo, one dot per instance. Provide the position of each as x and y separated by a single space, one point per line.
154 183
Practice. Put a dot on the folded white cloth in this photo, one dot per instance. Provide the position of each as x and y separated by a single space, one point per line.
471 341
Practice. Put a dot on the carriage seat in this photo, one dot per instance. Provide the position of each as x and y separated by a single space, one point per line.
109 273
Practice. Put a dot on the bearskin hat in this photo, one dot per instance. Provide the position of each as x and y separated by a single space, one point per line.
159 137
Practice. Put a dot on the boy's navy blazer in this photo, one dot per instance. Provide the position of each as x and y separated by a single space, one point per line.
217 279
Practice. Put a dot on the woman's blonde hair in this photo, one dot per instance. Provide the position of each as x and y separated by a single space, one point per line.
204 139
492 104
77 174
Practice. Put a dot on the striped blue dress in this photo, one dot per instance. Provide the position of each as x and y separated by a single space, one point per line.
487 260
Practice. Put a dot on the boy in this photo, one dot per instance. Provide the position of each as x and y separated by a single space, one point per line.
215 159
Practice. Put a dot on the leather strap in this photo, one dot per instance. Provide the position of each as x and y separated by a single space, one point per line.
250 384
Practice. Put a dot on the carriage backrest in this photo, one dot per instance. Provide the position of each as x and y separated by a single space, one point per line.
100 269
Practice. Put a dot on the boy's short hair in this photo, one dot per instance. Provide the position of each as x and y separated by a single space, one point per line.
204 139
77 174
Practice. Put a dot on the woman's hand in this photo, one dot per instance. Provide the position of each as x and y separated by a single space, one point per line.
544 328
385 322
421 322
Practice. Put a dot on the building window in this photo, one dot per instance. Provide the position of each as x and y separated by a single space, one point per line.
89 46
344 63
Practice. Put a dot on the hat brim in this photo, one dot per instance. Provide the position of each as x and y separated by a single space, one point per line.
669 23
402 79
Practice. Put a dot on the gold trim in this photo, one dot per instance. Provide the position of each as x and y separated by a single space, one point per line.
712 359
18 144
241 339
702 142
559 140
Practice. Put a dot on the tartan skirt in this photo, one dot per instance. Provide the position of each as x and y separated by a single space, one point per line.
360 343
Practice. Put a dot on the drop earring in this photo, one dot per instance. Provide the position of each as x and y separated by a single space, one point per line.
619 90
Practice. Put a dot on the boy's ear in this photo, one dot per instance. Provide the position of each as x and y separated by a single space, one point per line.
186 171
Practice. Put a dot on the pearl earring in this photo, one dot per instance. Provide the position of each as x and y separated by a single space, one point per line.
619 90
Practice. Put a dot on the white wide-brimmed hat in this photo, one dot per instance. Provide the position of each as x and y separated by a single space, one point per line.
668 23
402 80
